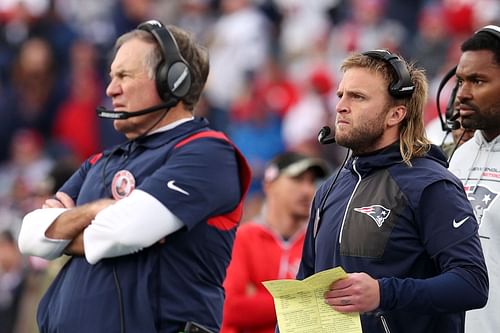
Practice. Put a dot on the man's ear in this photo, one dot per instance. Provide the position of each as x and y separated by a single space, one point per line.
396 115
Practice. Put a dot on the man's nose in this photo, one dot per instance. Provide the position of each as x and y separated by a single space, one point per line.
113 89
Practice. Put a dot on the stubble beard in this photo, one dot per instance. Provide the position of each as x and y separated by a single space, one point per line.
486 120
361 139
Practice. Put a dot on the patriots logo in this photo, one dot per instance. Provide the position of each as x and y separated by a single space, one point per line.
378 213
480 198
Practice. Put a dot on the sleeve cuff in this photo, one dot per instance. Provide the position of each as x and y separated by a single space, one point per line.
32 240
120 230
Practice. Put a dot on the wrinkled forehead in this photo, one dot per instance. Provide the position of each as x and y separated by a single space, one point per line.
131 56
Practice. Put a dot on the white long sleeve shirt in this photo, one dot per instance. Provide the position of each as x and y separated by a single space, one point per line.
477 164
116 230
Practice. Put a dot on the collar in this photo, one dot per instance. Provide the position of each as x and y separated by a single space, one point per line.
171 125
163 135
378 159
389 156
179 131
493 145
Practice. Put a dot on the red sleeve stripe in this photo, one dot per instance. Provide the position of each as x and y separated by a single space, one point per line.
227 221
95 158
231 219
206 134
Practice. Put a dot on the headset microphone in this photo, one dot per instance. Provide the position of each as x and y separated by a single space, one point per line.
453 123
110 114
323 136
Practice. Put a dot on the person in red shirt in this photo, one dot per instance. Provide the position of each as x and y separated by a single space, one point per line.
269 247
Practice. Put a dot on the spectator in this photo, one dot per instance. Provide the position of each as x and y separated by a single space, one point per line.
313 110
239 44
11 279
269 247
27 166
366 28
34 93
75 124
432 41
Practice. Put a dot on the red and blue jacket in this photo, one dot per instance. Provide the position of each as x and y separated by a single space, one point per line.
159 288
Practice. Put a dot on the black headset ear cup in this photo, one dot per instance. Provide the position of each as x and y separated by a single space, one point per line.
403 86
173 75
174 80
179 79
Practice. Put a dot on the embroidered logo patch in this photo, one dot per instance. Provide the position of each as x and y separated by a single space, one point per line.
480 198
378 213
123 184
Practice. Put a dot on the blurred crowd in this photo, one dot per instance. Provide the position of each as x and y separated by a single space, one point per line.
274 68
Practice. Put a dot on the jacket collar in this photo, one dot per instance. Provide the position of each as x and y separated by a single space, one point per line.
387 157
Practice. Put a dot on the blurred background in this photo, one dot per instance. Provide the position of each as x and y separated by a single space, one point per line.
274 70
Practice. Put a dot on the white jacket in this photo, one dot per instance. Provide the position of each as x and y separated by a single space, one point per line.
477 164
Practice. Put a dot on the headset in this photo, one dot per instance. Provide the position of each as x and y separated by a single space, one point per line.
173 75
402 87
449 121
491 29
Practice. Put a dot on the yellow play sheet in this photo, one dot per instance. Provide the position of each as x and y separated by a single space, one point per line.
300 305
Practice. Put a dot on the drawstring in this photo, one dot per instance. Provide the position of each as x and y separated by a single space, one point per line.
485 164
488 157
478 152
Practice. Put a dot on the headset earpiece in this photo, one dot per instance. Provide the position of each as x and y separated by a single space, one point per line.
491 29
402 87
173 76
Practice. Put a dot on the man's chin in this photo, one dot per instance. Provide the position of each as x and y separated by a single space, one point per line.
120 128
469 124
342 140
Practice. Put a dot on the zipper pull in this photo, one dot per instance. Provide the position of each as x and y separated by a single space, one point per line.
316 222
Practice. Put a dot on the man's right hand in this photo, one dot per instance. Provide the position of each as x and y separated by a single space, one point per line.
60 200
71 223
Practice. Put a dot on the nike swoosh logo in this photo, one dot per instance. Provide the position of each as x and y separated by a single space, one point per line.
171 185
459 223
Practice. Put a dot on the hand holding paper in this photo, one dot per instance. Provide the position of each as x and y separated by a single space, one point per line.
300 305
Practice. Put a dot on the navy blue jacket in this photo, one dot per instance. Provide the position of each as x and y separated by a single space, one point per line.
161 287
410 227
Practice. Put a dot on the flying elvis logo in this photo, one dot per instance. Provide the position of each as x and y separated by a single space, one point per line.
480 198
377 213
